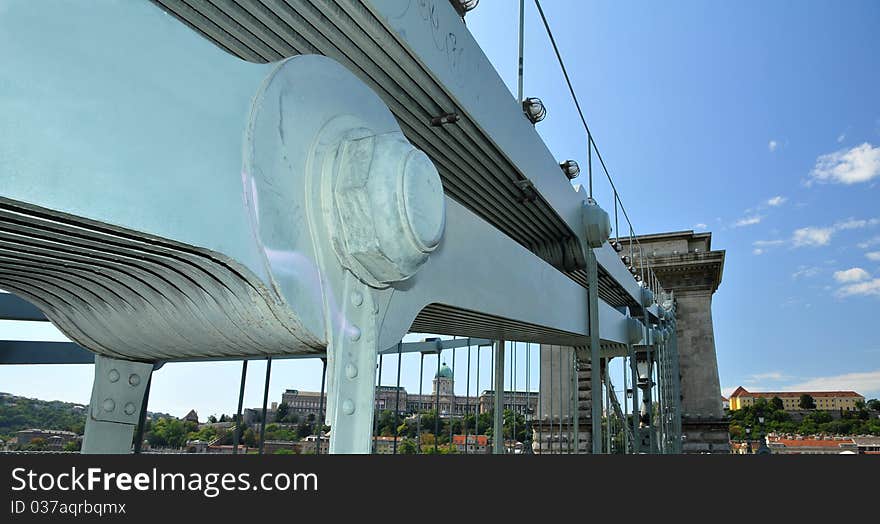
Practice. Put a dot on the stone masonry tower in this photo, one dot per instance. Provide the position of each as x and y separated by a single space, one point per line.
685 264
444 381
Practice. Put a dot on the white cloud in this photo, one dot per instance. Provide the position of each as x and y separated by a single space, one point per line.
806 272
852 223
760 246
748 221
771 375
848 166
867 288
868 243
854 274
873 255
865 383
776 201
812 236
700 226
768 243
772 145
821 236
841 137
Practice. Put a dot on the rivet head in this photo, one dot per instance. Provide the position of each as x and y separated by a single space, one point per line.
134 379
351 371
129 409
357 298
113 375
355 333
348 407
108 405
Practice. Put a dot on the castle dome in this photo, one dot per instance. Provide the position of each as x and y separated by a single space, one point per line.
444 372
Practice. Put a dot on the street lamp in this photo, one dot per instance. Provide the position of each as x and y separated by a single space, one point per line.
749 439
527 445
763 449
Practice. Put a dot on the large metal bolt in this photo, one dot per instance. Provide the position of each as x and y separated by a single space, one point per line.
389 208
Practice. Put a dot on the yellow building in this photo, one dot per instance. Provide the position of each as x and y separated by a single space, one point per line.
825 400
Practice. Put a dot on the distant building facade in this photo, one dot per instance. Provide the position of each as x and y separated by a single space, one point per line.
825 400
55 438
472 444
812 445
442 397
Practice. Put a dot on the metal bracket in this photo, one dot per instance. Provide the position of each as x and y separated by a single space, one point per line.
351 358
117 398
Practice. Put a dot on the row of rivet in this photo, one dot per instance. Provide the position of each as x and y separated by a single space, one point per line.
109 404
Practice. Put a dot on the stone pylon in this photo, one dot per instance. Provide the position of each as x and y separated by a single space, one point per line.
685 265
562 391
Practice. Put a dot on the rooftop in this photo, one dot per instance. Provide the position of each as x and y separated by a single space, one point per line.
743 392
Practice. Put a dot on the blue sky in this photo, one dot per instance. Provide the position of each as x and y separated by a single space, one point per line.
757 121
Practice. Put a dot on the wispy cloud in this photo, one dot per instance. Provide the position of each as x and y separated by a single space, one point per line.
772 145
776 201
873 256
700 226
841 137
868 243
768 243
770 375
853 223
806 272
847 166
866 383
760 246
748 221
853 274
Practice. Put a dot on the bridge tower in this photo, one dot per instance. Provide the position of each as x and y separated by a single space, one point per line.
686 265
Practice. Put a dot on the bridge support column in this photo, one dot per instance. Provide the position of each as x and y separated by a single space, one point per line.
118 395
686 265
554 431
704 430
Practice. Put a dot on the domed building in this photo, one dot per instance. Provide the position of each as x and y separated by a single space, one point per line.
444 381
442 397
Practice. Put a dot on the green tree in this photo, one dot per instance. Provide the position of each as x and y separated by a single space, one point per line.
386 423
168 432
873 404
807 402
407 447
249 438
212 419
283 412
36 444
777 404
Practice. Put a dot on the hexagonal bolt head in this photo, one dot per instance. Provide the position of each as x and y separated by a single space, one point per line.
389 208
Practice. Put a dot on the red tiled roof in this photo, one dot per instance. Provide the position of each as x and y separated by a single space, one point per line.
481 440
742 392
811 443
